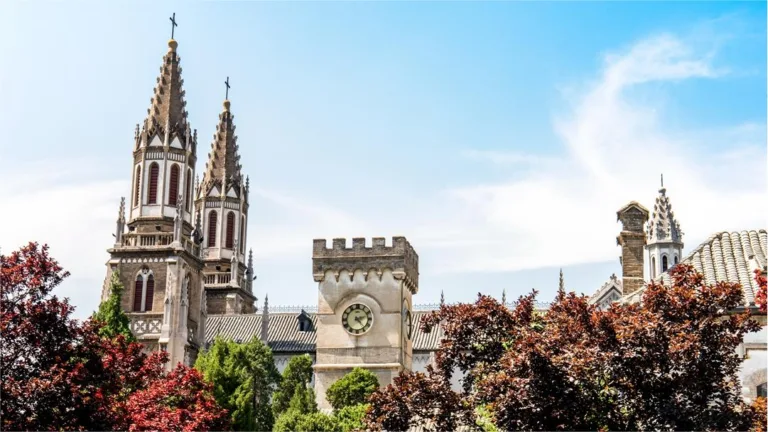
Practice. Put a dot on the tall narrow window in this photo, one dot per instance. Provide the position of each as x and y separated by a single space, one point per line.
154 171
173 187
188 190
664 263
138 290
212 216
150 293
675 259
653 268
230 230
242 235
137 187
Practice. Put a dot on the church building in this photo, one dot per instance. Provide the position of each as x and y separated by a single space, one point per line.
180 249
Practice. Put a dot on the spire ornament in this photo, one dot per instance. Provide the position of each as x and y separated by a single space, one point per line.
504 297
173 24
265 319
442 298
120 228
561 285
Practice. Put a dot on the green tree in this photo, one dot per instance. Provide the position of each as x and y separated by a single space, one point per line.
244 378
302 404
352 389
350 418
111 314
316 422
297 374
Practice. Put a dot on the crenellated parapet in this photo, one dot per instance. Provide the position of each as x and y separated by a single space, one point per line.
400 258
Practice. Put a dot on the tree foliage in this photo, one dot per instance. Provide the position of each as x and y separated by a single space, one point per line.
668 363
58 373
352 389
350 418
760 297
243 377
297 374
179 401
111 315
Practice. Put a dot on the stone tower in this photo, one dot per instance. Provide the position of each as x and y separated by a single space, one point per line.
632 241
364 309
222 203
158 258
665 239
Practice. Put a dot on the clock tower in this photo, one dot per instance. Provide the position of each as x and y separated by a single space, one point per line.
364 309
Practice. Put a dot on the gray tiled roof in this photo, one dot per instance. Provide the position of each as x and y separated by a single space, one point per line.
284 335
725 257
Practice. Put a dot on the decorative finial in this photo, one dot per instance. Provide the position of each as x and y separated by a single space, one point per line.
504 297
442 298
561 286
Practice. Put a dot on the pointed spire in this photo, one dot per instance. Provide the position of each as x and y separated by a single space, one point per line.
442 298
167 114
561 285
504 297
249 272
265 319
223 166
663 226
120 228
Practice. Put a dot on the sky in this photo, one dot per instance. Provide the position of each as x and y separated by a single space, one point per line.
499 137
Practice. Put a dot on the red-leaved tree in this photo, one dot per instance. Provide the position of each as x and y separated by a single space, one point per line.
669 363
760 297
57 372
179 401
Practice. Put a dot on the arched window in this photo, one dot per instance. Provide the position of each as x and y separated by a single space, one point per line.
154 171
653 268
137 187
188 190
212 216
664 263
676 260
138 290
173 187
242 235
230 230
150 293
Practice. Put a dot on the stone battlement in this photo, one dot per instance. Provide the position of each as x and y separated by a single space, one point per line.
399 257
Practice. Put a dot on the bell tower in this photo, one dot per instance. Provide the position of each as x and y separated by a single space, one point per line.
665 239
364 316
156 249
222 202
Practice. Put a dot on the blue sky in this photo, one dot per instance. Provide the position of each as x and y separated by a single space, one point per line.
499 137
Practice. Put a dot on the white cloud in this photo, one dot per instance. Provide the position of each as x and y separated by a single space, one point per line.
563 212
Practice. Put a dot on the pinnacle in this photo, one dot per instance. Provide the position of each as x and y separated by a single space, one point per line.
663 226
223 161
167 112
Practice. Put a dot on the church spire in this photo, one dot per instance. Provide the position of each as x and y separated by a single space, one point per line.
223 166
664 238
167 114
561 285
663 227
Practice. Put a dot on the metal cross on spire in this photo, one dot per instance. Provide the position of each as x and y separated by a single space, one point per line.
226 83
173 24
662 180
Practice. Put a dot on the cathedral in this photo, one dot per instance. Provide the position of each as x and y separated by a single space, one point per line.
180 250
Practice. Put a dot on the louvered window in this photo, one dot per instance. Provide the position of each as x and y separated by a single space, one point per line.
188 190
173 188
212 216
137 187
230 230
149 296
242 235
154 171
137 292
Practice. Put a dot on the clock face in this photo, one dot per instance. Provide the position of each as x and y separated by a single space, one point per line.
408 322
357 319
